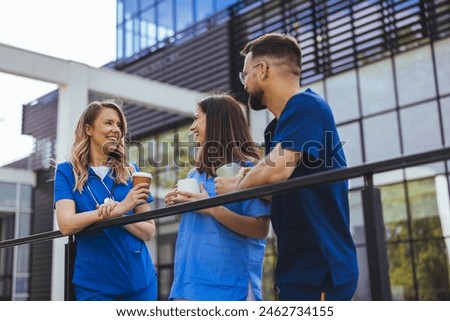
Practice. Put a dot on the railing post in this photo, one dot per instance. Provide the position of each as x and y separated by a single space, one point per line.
69 260
375 240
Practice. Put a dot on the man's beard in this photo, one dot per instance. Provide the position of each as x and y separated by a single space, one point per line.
255 101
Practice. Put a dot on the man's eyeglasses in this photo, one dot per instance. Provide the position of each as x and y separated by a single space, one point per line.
242 76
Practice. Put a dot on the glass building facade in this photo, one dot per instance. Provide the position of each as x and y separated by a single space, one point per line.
15 221
146 25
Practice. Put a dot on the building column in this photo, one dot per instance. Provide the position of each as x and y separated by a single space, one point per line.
72 100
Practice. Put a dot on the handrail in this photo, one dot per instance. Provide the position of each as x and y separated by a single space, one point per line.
254 192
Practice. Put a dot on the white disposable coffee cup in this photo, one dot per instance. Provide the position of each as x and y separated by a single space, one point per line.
188 185
141 177
230 169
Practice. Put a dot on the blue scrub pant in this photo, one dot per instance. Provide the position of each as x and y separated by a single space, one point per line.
149 293
327 292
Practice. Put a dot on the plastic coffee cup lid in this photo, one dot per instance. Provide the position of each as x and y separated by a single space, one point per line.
142 174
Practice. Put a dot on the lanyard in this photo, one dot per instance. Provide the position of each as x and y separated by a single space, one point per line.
107 200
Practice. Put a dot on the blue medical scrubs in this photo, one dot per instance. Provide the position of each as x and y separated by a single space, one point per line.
110 260
311 223
211 261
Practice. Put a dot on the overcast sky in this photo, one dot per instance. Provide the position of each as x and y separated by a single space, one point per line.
78 30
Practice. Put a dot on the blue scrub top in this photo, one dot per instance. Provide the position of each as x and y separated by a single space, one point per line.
312 223
111 260
211 261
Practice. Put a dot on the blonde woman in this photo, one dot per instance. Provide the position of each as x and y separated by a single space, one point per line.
112 263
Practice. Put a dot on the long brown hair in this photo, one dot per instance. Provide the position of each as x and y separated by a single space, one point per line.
117 159
227 137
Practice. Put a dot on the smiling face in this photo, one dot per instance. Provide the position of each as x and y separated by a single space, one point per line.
106 131
198 127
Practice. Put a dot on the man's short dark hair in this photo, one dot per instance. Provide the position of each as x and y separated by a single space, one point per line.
278 46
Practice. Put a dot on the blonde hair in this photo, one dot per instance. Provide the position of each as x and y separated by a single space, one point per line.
117 159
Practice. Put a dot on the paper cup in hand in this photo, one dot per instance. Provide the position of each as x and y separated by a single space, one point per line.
231 169
141 177
188 185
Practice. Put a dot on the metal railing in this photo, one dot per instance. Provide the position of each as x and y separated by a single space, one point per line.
373 216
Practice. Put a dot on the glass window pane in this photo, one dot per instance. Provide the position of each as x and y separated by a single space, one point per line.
148 26
8 194
165 19
25 196
442 55
167 179
120 11
22 285
136 31
377 87
120 53
351 139
184 14
357 218
420 128
445 107
342 96
393 199
424 211
204 8
432 270
131 8
415 77
222 4
24 224
146 3
23 258
381 137
400 271
129 44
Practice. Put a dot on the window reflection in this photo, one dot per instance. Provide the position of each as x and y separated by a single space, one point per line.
342 96
8 194
445 106
25 196
416 233
138 28
222 4
148 28
420 128
350 137
442 52
377 87
381 137
185 14
23 258
166 23
204 8
415 79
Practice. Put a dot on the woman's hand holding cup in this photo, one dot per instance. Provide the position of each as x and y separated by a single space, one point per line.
187 190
